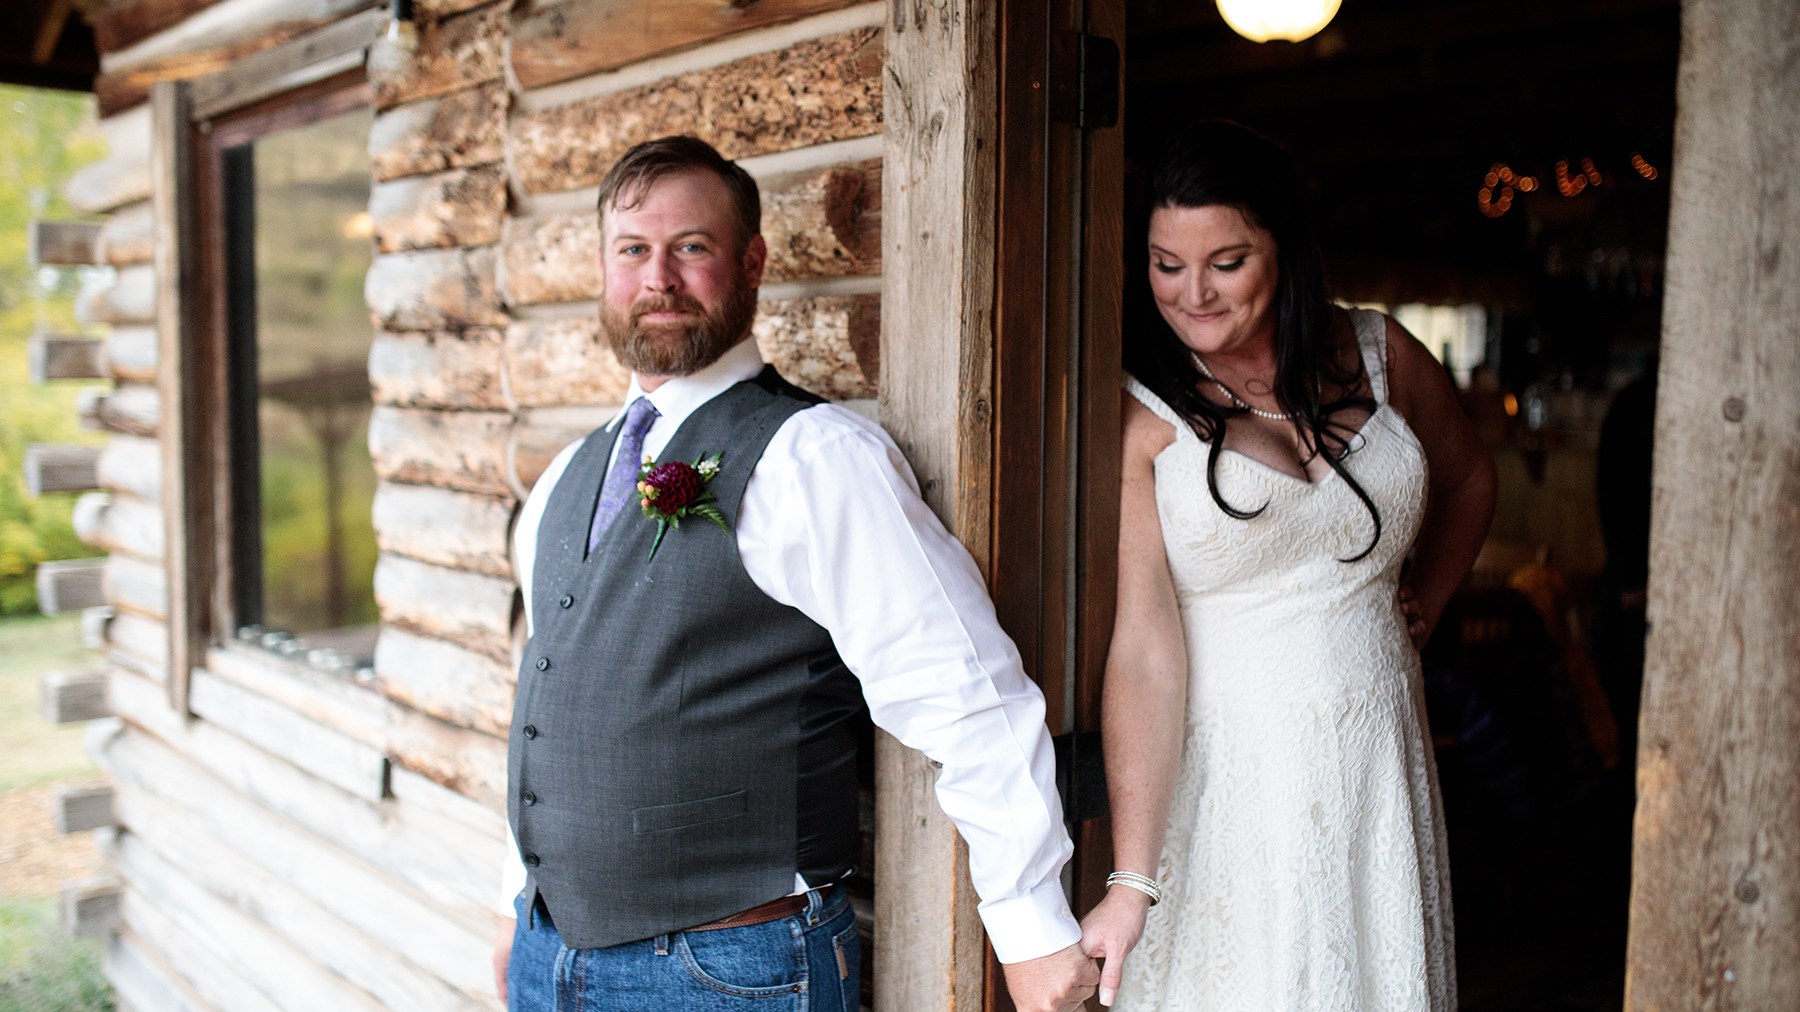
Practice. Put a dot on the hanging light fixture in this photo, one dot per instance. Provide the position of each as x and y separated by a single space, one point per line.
1293 20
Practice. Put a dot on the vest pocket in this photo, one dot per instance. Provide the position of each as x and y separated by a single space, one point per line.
660 818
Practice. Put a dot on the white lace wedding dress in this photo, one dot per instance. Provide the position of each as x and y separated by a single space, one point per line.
1304 867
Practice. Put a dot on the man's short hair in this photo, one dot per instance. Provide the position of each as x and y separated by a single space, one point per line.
631 176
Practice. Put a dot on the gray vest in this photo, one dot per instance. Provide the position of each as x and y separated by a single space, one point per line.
681 744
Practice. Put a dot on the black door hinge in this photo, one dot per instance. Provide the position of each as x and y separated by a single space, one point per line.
1084 80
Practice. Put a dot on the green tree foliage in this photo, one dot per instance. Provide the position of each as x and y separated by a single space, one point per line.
44 137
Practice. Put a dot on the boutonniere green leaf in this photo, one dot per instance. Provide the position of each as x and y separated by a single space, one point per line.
675 491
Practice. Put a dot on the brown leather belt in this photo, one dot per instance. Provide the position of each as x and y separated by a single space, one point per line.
774 910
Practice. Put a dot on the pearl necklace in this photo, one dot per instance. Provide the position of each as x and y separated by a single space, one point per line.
1231 395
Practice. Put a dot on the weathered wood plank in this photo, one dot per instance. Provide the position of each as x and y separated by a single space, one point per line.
830 345
444 680
79 809
434 290
1715 898
131 408
461 207
462 128
129 354
551 43
131 464
562 360
64 242
120 524
140 975
817 91
465 608
445 369
305 59
554 258
445 527
123 24
136 586
90 907
467 763
138 642
541 433
64 356
455 449
453 53
938 254
127 237
71 697
119 179
69 585
323 751
57 467
130 299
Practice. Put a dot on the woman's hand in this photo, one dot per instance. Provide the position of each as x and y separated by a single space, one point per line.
1414 615
1110 931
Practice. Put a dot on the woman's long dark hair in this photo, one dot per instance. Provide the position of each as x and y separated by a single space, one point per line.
1220 163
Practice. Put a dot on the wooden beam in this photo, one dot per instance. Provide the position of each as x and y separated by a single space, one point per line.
462 128
71 697
442 369
466 608
305 59
79 809
454 449
131 298
64 356
551 43
125 237
114 181
90 907
128 22
70 585
1715 900
131 408
940 106
452 54
445 527
72 243
830 345
461 207
434 290
448 682
129 354
131 464
55 467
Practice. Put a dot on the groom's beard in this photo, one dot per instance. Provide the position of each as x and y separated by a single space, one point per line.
678 349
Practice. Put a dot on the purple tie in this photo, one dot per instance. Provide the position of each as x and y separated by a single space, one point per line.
620 486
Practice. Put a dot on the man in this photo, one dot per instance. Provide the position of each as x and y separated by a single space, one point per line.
682 756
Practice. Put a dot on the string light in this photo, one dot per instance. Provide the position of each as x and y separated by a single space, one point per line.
1643 168
1502 183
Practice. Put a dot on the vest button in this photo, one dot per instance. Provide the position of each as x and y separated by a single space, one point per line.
527 798
531 860
530 730
567 601
543 664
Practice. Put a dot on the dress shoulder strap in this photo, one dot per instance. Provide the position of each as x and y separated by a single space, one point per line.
1371 338
1156 406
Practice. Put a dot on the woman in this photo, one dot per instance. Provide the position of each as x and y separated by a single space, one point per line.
1267 755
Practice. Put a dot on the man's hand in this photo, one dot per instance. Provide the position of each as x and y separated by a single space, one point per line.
1059 982
503 939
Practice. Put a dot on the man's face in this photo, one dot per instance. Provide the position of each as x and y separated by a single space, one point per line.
680 281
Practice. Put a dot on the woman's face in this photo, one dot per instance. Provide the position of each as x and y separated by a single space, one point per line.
1213 273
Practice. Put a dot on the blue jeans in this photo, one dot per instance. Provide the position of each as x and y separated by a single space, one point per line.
810 962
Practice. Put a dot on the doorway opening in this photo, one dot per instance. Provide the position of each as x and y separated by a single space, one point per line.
1498 180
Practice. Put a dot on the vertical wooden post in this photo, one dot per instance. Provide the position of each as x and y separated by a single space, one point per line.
186 483
938 228
1715 907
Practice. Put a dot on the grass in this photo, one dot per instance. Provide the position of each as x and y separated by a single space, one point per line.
43 970
38 752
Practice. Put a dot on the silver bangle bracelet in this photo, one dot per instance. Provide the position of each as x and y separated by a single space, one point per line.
1142 883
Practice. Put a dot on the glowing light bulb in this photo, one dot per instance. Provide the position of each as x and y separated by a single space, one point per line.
1293 20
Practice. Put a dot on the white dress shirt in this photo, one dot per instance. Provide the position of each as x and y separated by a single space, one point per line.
831 523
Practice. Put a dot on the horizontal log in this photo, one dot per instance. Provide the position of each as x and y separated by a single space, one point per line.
466 608
445 8
463 450
445 527
64 242
89 517
554 258
830 345
130 299
120 25
79 809
206 979
129 354
434 290
563 360
322 751
90 907
462 128
445 369
568 40
131 408
59 467
64 356
119 179
542 433
138 642
71 697
467 763
128 236
136 586
460 207
817 91
825 223
120 524
132 464
69 585
444 680
452 54
141 977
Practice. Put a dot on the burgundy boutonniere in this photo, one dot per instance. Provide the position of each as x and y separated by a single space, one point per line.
675 490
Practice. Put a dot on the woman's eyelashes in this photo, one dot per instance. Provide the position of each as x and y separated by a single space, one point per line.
1229 266
1168 268
1164 267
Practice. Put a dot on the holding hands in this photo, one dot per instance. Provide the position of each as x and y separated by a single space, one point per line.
1110 931
1059 982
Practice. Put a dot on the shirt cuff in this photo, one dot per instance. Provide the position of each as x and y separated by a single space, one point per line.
1035 924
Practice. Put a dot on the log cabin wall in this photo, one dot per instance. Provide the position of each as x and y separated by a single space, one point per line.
300 839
